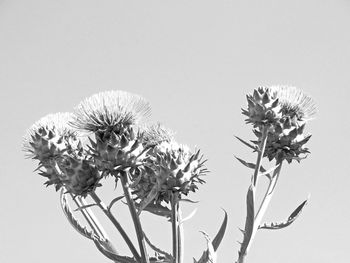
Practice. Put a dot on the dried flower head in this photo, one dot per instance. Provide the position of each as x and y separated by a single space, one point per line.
171 168
110 111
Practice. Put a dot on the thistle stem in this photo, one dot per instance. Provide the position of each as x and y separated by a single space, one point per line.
117 225
135 217
268 195
174 227
244 250
181 236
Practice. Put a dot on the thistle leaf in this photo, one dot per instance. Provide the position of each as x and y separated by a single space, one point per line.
252 166
189 201
293 216
157 209
114 201
218 238
156 249
249 223
149 198
73 221
210 254
84 207
189 216
102 247
247 143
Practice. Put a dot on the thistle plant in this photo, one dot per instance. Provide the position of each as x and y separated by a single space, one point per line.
278 115
107 136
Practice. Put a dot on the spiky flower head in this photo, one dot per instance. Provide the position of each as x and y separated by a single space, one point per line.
110 111
285 138
119 153
49 137
171 169
263 108
61 160
294 103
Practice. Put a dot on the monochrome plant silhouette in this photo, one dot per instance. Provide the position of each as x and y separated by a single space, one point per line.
107 136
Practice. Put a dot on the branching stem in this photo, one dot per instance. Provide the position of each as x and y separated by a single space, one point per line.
135 217
116 224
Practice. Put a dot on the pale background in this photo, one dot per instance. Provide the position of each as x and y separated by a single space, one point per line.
194 61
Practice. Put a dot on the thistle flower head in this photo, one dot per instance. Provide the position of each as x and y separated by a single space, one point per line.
294 102
49 136
263 108
110 111
172 168
119 152
155 134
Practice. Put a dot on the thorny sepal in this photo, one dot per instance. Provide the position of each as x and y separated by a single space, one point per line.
293 216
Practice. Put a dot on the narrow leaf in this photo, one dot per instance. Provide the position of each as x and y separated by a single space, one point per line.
247 144
293 216
157 209
189 216
109 254
218 238
149 198
189 201
210 254
252 166
114 201
158 250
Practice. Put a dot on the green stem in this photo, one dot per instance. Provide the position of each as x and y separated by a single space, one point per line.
134 216
117 225
174 227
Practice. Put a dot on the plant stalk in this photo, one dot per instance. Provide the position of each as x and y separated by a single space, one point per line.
135 217
117 225
175 227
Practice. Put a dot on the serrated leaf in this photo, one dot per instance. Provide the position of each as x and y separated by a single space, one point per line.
247 143
109 254
84 207
158 250
114 201
293 216
73 221
249 223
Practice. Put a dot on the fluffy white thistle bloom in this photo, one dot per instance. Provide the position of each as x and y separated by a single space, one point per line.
110 111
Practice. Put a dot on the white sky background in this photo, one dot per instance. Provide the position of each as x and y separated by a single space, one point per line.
194 61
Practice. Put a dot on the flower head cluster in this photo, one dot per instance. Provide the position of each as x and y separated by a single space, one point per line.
282 113
61 157
171 168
